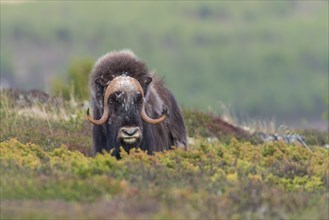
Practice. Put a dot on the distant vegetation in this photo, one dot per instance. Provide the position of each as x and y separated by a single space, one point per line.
76 83
264 58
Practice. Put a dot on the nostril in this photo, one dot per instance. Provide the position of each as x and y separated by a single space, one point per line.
130 131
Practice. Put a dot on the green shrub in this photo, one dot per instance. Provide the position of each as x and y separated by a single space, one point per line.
209 180
45 163
76 85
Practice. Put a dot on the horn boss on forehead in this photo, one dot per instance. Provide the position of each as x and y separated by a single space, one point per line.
120 83
125 84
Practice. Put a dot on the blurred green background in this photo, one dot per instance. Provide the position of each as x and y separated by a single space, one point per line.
263 59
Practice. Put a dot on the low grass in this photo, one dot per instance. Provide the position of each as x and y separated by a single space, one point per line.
47 172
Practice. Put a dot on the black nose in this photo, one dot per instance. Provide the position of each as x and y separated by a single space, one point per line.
130 131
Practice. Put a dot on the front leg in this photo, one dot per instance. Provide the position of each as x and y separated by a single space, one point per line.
99 134
99 139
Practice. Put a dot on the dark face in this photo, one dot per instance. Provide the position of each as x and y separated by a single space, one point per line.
123 114
125 118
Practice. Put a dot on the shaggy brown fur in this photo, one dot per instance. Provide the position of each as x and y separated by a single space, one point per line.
158 98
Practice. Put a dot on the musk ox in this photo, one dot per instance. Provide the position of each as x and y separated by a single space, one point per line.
131 107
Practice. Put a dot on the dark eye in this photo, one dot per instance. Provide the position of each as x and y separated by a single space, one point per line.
139 98
113 99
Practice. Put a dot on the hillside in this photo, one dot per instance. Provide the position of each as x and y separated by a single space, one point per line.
47 171
264 58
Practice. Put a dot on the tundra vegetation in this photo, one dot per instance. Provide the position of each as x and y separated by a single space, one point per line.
281 48
47 170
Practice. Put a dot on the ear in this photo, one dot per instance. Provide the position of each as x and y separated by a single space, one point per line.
147 80
145 83
101 82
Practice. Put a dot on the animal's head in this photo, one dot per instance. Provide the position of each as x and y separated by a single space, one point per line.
124 110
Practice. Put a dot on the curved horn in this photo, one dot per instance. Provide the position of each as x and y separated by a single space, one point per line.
149 120
122 83
145 117
106 113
